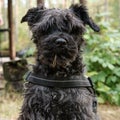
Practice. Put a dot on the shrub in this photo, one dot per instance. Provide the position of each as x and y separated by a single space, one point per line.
103 62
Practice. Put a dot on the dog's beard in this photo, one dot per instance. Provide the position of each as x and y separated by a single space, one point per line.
54 61
58 56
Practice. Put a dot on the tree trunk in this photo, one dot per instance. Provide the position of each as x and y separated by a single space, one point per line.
40 2
16 20
64 3
106 9
73 1
83 2
119 9
30 3
1 19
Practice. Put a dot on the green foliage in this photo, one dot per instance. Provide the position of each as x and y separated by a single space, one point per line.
29 52
103 62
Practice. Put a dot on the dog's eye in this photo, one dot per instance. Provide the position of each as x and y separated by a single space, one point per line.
77 31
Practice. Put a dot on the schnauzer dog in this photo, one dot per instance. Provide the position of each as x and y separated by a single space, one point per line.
57 88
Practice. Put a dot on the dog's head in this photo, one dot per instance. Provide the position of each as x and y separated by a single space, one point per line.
57 33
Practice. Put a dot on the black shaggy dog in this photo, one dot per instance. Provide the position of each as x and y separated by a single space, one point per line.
57 88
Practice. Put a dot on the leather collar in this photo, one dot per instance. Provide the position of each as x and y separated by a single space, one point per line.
66 83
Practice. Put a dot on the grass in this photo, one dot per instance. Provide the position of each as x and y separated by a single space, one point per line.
10 105
109 112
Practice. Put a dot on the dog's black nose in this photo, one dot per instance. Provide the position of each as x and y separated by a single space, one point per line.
60 41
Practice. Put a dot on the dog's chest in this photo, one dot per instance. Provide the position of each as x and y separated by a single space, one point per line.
58 100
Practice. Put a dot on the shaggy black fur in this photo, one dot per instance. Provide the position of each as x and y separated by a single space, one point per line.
58 35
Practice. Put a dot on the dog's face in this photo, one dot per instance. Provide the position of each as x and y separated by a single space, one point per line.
58 33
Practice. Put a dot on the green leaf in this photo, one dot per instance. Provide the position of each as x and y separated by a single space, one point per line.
94 59
103 88
111 80
110 66
101 100
101 75
117 71
92 73
114 79
115 99
118 87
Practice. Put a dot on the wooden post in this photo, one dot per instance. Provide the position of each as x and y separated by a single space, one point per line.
10 25
40 2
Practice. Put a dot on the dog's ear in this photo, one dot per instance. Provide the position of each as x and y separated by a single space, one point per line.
81 12
33 15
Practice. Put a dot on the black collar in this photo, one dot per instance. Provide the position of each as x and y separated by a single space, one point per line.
67 83
75 83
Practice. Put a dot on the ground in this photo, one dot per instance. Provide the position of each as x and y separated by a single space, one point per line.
109 112
10 104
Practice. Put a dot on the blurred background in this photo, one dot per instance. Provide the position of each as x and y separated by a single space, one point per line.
101 53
